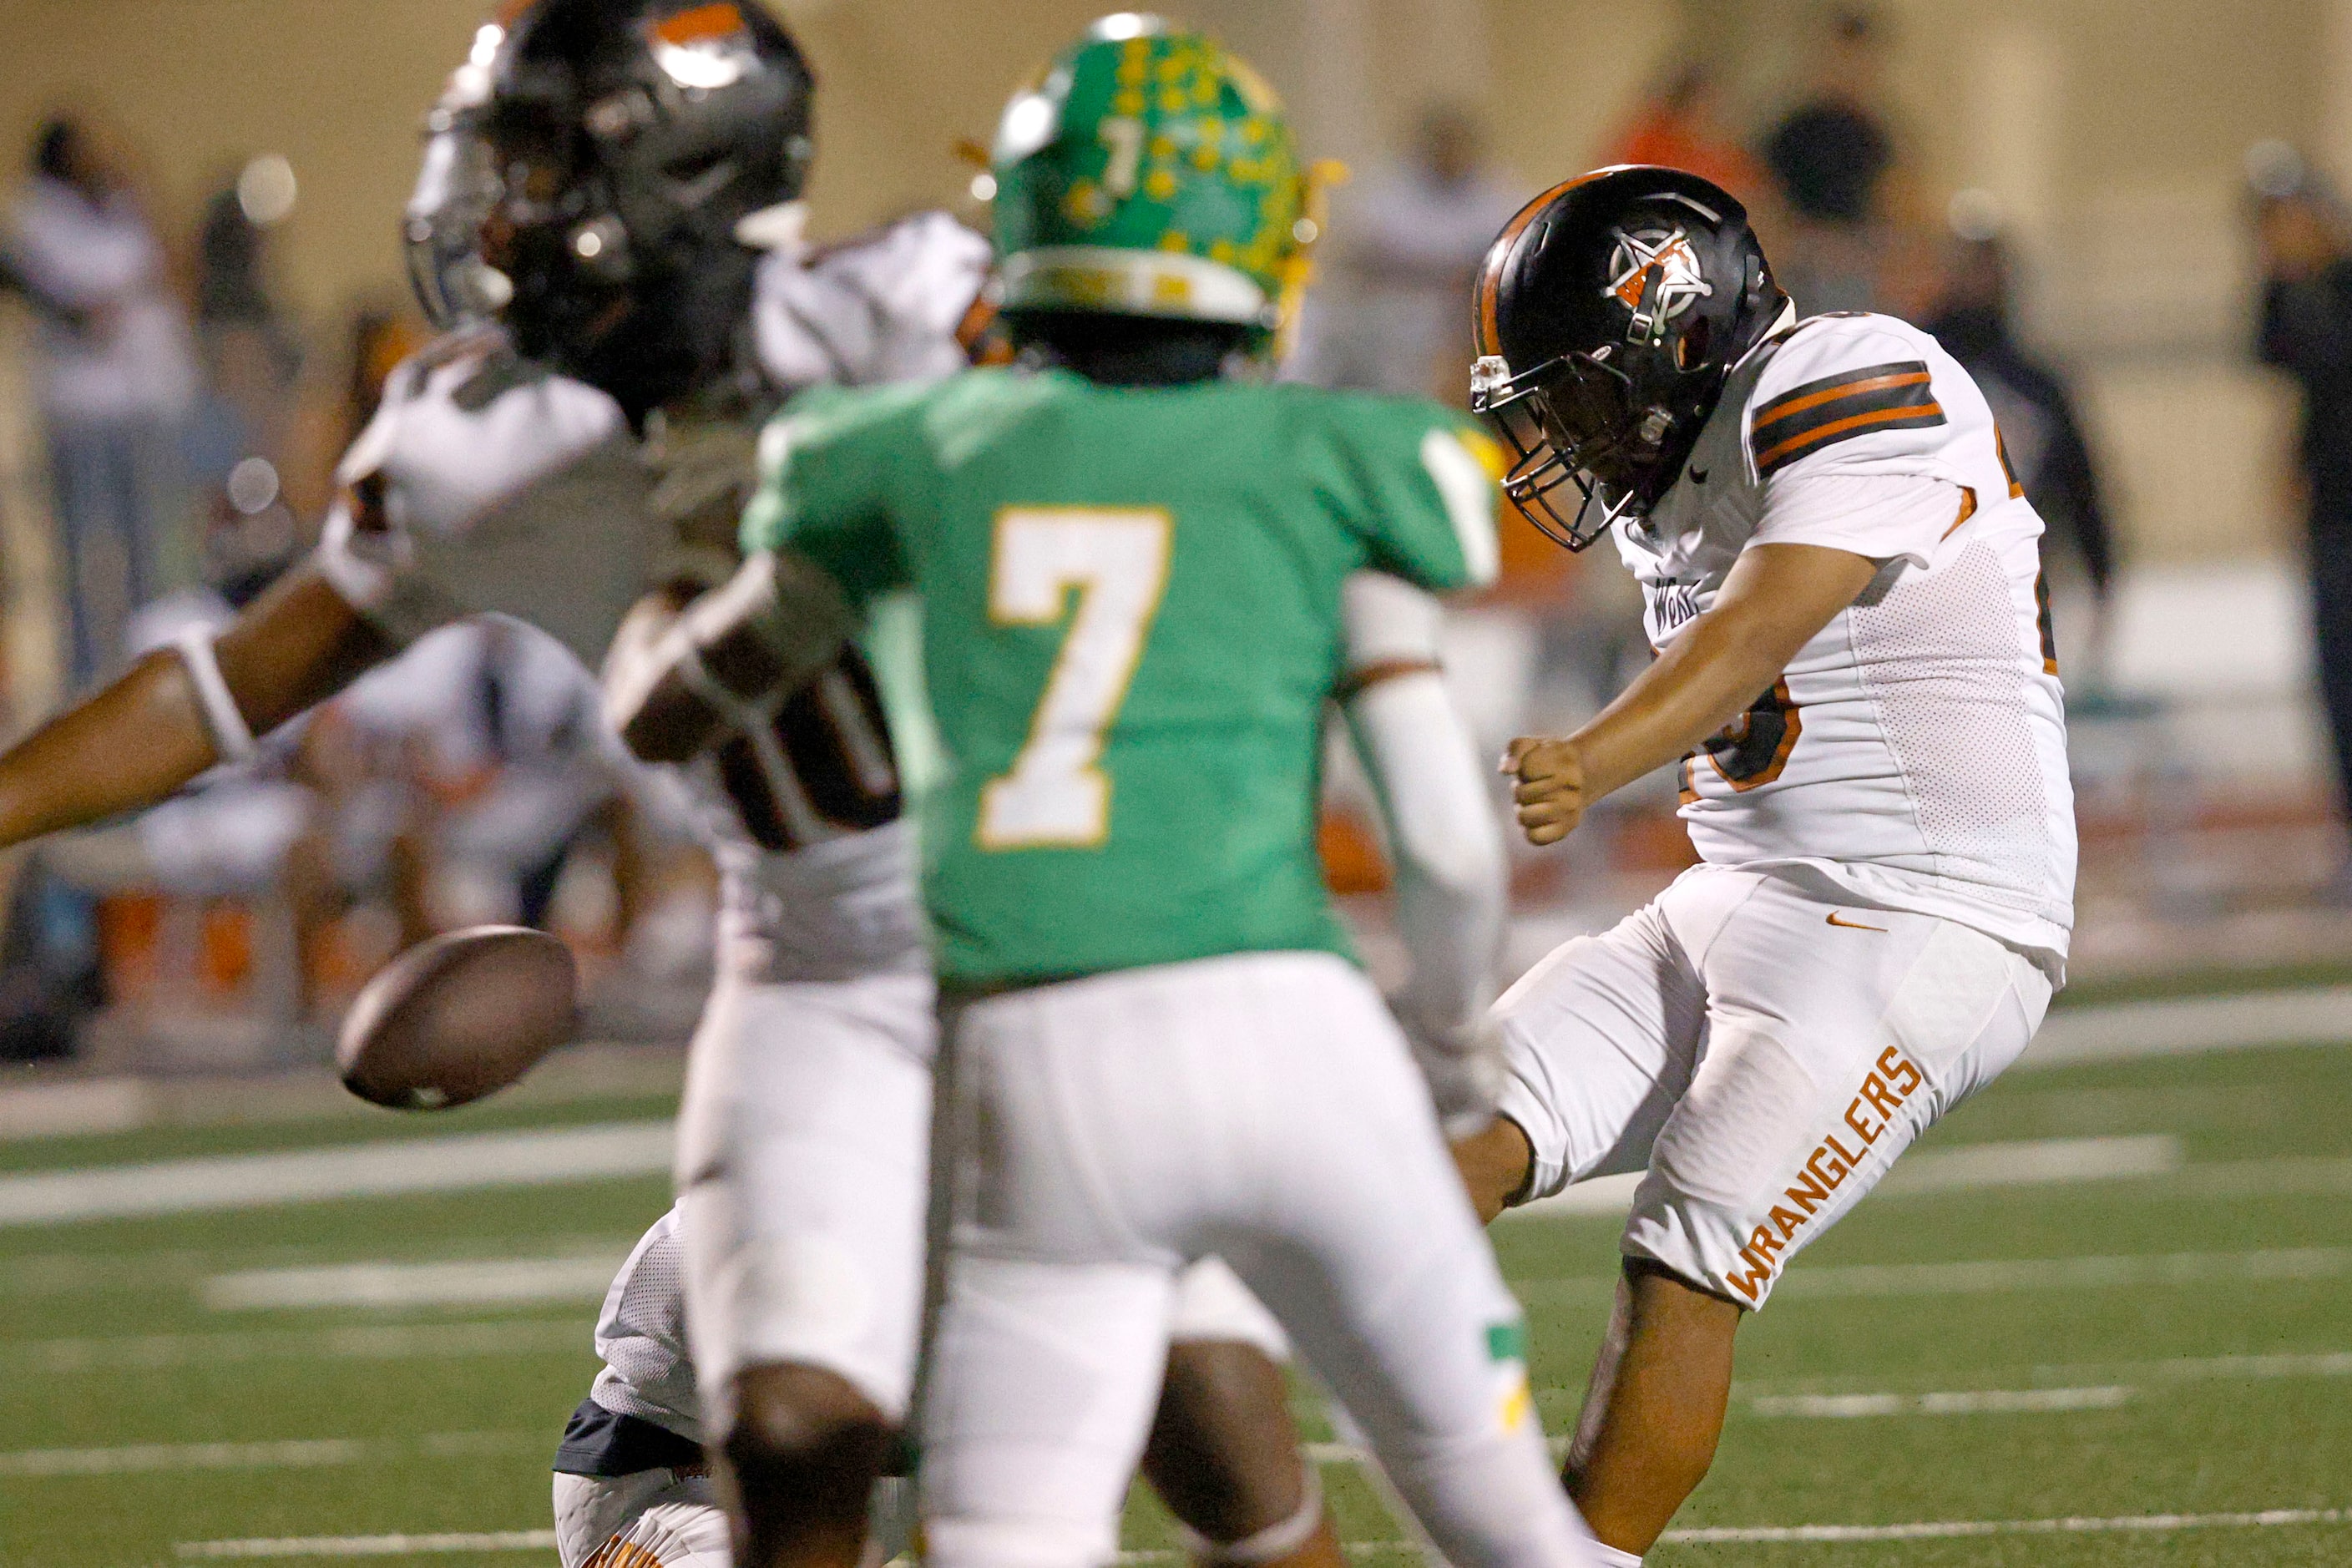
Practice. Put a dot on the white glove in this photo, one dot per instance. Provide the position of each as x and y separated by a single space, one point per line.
1462 1066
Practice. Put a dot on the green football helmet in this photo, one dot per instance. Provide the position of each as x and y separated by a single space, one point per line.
1146 171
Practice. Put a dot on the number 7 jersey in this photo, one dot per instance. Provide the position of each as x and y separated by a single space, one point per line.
1131 628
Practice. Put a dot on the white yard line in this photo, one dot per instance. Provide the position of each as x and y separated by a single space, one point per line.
432 1342
1994 1276
1953 1529
2281 1367
2027 1162
2186 1024
372 1546
463 1162
544 1540
2033 1163
140 1458
33 1275
489 1283
1976 1402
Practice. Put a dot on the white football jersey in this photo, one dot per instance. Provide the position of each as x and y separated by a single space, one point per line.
641 1336
1914 756
486 486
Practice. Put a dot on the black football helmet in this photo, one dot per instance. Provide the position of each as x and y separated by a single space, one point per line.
599 177
1606 315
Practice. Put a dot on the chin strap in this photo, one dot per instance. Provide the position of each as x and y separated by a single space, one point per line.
1273 1543
232 737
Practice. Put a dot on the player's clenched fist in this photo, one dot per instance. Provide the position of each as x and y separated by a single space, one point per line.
1551 790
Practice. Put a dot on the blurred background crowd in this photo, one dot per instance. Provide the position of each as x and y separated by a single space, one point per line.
2120 218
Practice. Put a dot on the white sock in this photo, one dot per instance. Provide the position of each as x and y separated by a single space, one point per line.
1611 1557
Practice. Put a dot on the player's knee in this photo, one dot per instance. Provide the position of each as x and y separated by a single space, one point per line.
805 1435
1223 1453
1661 1290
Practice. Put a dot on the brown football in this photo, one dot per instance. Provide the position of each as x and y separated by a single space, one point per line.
458 1017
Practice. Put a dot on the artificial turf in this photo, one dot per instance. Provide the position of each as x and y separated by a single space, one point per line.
108 1344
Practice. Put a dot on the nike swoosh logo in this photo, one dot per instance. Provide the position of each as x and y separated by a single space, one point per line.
1853 925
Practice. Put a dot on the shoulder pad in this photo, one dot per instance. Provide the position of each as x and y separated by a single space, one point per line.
882 307
1841 378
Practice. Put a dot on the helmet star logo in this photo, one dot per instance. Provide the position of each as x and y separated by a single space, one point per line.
1680 281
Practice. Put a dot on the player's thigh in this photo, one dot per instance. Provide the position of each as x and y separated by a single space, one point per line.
1366 1246
1363 1242
803 1172
1831 1045
1038 1399
1599 1041
653 1519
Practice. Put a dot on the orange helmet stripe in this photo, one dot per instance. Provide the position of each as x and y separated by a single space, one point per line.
701 23
1490 273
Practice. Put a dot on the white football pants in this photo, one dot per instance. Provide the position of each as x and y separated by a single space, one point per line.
802 1170
1262 1107
1761 1054
653 1519
803 1174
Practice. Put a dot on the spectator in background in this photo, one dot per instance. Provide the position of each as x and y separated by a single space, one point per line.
251 358
1682 127
1831 159
1406 241
2306 253
115 378
2036 414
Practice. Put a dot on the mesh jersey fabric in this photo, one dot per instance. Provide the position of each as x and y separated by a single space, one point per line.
641 1335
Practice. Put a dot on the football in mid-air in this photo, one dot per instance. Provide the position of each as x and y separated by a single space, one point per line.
458 1017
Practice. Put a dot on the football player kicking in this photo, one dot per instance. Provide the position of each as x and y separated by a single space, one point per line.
601 180
1843 586
1136 561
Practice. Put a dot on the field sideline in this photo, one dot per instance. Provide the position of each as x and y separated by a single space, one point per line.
2120 1340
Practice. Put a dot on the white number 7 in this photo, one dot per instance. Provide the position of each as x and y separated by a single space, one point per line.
1116 558
1123 139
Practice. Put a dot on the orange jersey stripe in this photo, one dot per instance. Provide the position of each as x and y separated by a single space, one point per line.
1839 427
1773 413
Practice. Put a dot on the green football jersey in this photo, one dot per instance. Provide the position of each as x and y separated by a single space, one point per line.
1131 626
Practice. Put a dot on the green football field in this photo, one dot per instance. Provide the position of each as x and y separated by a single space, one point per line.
2140 1356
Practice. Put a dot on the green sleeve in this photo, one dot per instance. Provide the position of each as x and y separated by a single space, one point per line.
1422 489
832 473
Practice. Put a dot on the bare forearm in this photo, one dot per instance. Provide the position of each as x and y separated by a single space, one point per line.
131 746
142 739
295 647
1773 601
675 683
1703 681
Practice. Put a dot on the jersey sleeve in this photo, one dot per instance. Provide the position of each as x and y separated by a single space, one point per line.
484 486
1452 882
1421 487
1850 439
832 477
